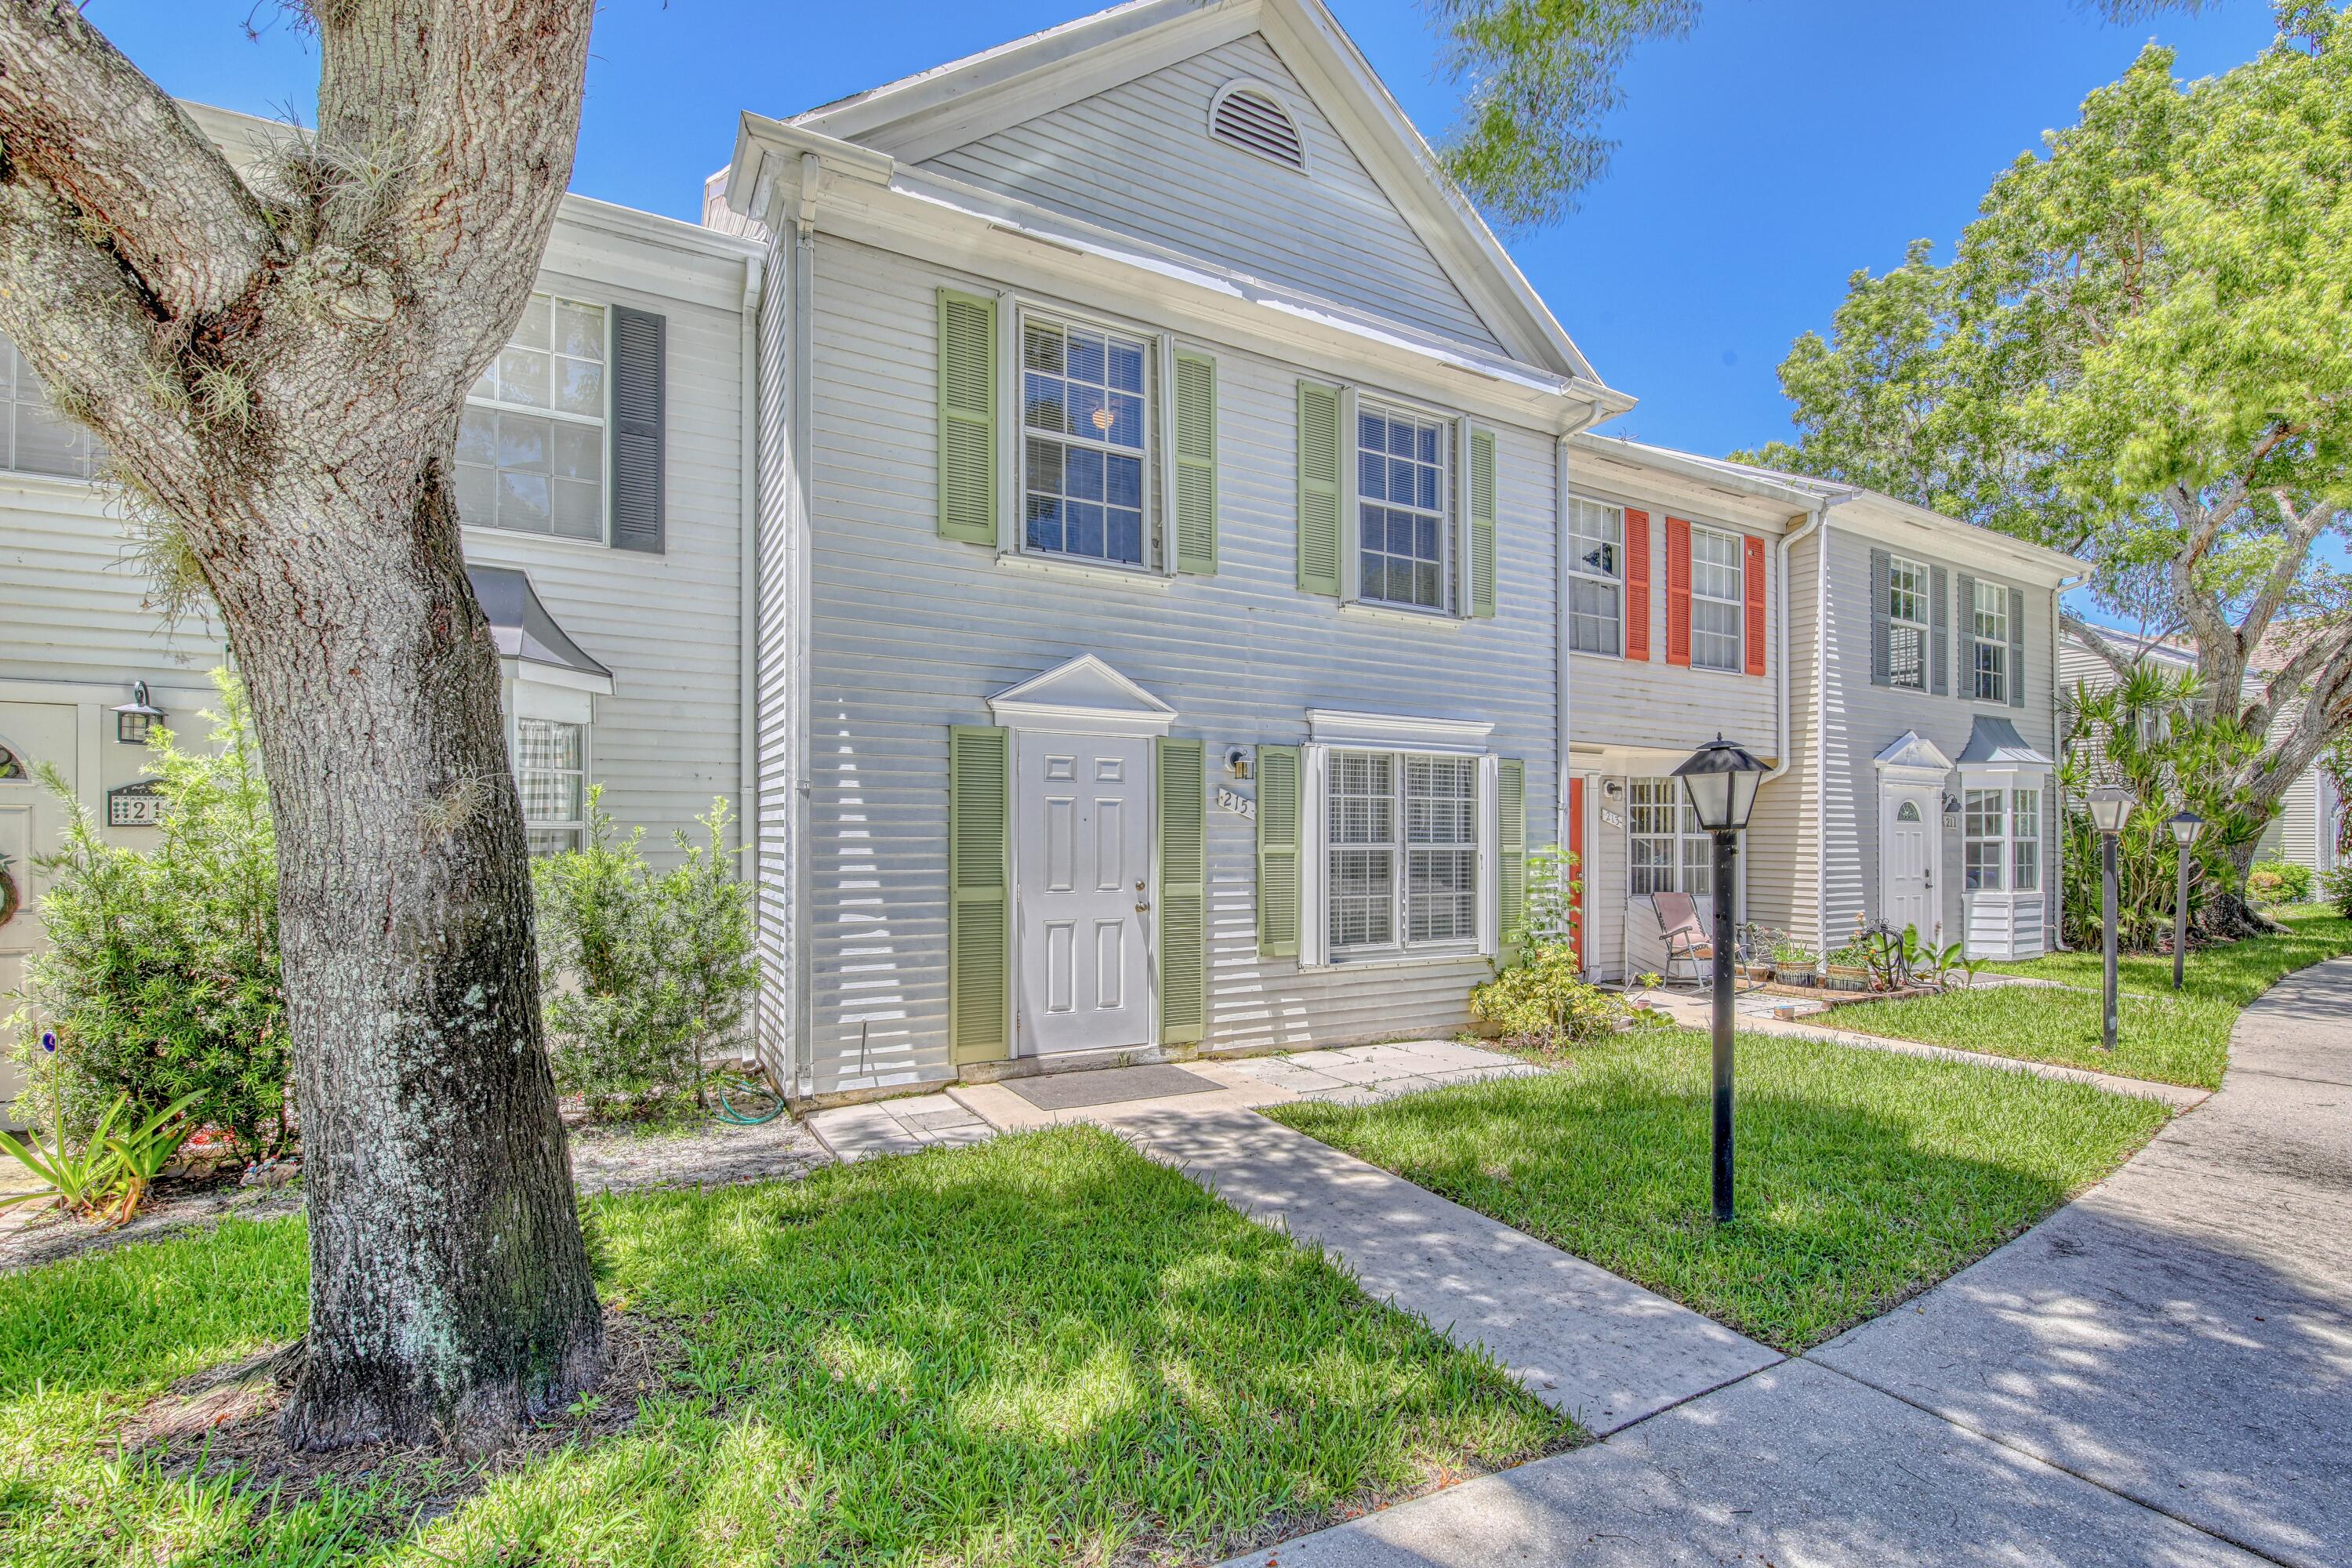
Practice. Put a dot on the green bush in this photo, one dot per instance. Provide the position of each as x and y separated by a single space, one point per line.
160 978
644 975
2335 886
1542 1001
2278 882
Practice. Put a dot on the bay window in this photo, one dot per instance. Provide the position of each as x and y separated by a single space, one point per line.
1984 840
1718 600
551 763
1596 566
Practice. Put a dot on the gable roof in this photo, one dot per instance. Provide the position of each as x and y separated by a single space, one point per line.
959 101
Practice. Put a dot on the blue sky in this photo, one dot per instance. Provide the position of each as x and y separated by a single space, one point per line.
1782 146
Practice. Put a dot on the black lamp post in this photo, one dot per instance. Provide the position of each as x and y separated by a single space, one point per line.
2110 806
2186 825
1721 778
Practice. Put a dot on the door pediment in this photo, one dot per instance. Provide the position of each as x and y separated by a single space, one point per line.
1913 752
1084 696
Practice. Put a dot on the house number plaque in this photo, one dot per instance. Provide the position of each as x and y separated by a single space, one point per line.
1239 804
1610 819
135 805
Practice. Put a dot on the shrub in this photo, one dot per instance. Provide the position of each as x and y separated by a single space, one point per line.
2278 882
160 978
642 975
2335 886
1542 1001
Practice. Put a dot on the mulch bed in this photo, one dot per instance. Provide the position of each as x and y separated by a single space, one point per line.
224 1421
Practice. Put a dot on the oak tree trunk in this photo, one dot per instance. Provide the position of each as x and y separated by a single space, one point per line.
277 367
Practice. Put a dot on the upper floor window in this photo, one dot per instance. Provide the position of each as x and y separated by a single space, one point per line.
34 438
530 446
1989 614
1401 848
1596 564
1084 419
1907 624
1403 496
1718 600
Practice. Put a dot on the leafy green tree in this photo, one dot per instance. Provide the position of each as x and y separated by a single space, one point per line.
2140 353
160 975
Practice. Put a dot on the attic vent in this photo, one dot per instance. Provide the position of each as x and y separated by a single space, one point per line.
1253 119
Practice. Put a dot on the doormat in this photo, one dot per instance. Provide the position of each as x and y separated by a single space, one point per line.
1107 1086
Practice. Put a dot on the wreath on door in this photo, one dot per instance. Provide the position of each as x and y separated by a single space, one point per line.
10 897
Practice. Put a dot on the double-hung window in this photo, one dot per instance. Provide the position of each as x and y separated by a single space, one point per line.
1907 624
551 763
530 446
34 438
1402 854
1984 840
1085 444
1596 566
1718 600
1989 621
2025 840
1404 496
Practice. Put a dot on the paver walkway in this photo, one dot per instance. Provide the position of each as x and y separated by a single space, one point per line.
2160 1374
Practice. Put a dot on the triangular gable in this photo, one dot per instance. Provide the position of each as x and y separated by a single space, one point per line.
1084 692
1013 113
1913 750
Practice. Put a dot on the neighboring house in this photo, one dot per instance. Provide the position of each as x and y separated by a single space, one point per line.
1161 483
2310 814
603 473
1923 653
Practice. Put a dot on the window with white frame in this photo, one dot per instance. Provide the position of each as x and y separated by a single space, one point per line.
1667 850
1596 564
530 446
1085 427
34 438
1718 600
2025 840
1989 616
1401 853
551 761
1404 504
1984 840
1907 602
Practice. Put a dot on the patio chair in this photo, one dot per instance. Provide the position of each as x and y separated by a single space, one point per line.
1687 939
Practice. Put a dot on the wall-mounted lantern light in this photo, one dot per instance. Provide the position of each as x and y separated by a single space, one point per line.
135 718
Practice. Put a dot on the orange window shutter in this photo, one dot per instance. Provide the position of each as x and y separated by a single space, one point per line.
1752 558
1678 590
1637 584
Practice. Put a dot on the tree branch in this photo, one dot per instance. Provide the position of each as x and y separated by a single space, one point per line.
2083 631
80 121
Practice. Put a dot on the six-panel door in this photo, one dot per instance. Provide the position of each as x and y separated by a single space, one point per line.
1082 856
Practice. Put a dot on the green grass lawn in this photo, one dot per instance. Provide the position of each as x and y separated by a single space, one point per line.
1863 1176
2172 1039
1043 1351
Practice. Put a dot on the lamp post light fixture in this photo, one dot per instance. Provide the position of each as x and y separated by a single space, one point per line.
2186 825
1721 778
2111 806
133 718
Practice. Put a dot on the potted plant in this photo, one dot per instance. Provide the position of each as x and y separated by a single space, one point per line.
1792 961
1848 969
1755 952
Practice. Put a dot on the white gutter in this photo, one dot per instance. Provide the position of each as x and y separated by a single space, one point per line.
747 663
797 499
1562 638
1821 740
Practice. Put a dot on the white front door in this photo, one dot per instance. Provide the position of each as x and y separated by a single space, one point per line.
1910 847
31 823
1083 875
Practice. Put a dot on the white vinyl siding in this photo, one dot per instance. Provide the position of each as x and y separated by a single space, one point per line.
1989 622
1405 496
1718 600
530 446
1908 588
1401 854
1085 425
1596 566
34 438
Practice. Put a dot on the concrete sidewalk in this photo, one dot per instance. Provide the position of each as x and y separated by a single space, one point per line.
2160 1374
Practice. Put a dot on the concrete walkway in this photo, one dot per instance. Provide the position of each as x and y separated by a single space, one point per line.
2161 1373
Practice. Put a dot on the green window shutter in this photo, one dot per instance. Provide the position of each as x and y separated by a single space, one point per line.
1482 522
1318 488
1196 464
967 417
1511 849
1277 851
980 909
2016 647
1184 857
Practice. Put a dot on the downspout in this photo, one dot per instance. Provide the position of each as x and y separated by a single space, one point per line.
796 505
1821 738
2057 926
1562 640
1782 694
